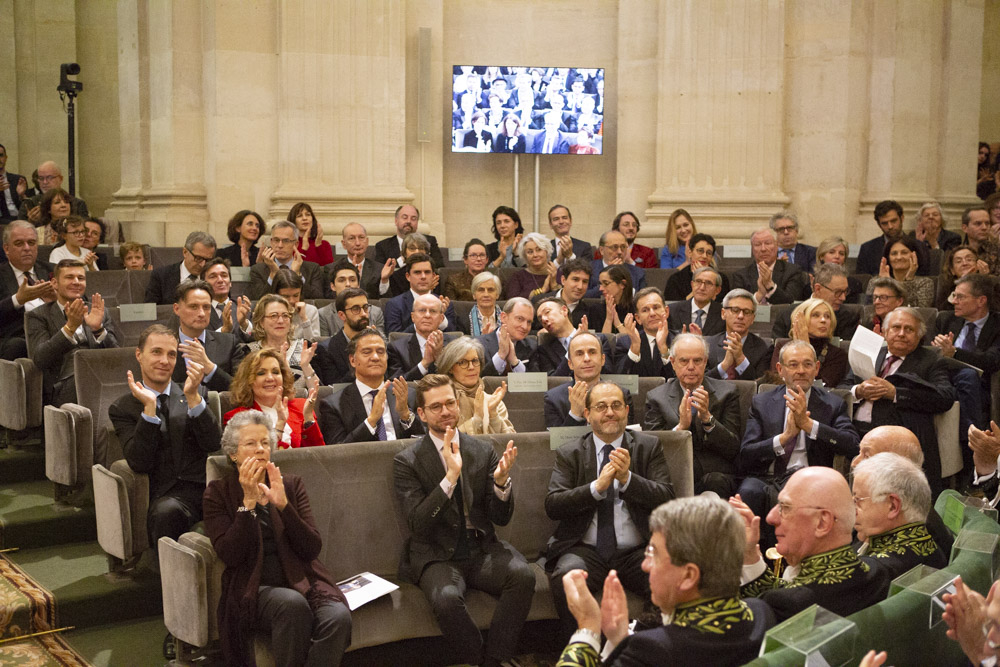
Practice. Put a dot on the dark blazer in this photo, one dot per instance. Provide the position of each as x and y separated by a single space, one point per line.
757 352
215 323
805 256
389 248
847 321
597 265
557 407
404 356
649 364
682 313
550 357
870 256
581 249
525 350
371 275
679 285
947 240
11 318
431 516
560 145
330 360
791 281
53 353
342 417
235 257
314 282
471 140
987 353
12 180
162 286
715 450
570 502
501 144
595 312
225 351
176 453
836 433
398 309
236 539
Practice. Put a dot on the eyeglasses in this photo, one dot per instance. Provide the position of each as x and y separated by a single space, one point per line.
354 310
736 312
882 298
836 292
438 407
198 258
49 179
617 406
785 230
80 232
279 241
704 283
785 509
468 363
277 317
859 499
621 247
476 255
704 252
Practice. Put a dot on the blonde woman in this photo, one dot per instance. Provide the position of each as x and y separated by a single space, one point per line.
680 229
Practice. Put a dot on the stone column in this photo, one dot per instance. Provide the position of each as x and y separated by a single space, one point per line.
342 112
720 114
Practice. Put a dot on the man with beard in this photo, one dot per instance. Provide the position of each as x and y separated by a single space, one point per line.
344 274
331 359
642 256
407 218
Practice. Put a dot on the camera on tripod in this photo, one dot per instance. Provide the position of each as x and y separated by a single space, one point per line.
67 85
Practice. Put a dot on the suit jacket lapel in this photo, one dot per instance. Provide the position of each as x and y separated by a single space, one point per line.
589 458
414 351
674 398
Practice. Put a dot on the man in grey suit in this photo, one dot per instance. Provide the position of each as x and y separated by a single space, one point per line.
57 330
709 409
602 490
343 275
453 488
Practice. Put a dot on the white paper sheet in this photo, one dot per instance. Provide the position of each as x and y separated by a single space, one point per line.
863 355
363 588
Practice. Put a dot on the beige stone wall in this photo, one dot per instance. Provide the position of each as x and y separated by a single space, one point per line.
989 109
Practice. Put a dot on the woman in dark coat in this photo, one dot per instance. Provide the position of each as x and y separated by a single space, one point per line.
266 536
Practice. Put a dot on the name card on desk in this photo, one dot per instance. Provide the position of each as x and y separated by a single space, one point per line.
763 314
736 250
239 274
560 435
521 382
137 312
629 382
339 386
455 254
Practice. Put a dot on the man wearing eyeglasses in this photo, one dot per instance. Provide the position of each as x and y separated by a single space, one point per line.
829 284
887 295
284 254
218 353
331 359
701 310
199 249
344 274
414 355
614 250
813 518
603 487
49 177
793 426
93 238
737 354
786 228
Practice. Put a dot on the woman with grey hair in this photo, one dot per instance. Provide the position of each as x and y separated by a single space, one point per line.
261 526
539 274
462 360
485 316
931 230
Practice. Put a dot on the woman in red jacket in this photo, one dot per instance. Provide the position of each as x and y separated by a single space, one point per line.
311 243
264 382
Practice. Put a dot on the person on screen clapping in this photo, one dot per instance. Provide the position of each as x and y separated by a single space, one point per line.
509 138
550 141
462 117
479 137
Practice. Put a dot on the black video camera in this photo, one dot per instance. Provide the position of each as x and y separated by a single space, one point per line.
67 85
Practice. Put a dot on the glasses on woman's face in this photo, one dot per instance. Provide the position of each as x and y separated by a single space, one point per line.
468 363
278 317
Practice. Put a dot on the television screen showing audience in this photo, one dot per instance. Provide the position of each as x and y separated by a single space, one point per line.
527 110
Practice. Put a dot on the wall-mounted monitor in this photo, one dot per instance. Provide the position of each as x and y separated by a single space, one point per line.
548 110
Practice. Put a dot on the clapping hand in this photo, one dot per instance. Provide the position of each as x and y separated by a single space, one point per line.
388 269
401 391
297 260
581 601
266 257
751 522
883 269
614 609
145 396
275 493
621 460
452 453
629 327
985 446
502 473
192 383
193 350
309 407
95 316
378 405
495 399
965 613
945 343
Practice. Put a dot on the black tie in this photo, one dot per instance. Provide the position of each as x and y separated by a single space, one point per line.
462 548
607 542
163 401
700 319
969 344
380 425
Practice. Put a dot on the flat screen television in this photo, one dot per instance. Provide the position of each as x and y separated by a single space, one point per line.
549 110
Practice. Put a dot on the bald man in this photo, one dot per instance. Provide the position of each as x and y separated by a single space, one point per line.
901 440
813 522
49 177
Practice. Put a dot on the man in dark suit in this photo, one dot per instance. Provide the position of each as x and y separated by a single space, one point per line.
422 277
452 489
364 410
648 354
57 330
889 217
587 357
508 349
829 284
166 432
564 246
227 315
550 140
12 189
551 356
24 285
910 387
737 354
815 514
218 354
574 276
709 409
343 275
372 276
283 254
407 218
614 250
771 281
708 622
603 487
49 178
414 355
786 228
330 359
199 249
701 309
791 427
413 244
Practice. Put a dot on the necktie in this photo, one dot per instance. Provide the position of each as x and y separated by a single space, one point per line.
30 278
969 344
699 318
607 543
162 402
889 361
462 548
380 424
784 254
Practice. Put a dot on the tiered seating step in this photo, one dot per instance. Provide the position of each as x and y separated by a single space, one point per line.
30 518
22 464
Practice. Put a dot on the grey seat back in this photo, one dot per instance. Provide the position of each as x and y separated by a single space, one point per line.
746 389
101 378
113 286
524 409
646 385
137 282
131 331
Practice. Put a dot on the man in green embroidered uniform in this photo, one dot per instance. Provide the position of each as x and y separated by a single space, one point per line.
892 498
693 563
813 523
